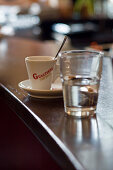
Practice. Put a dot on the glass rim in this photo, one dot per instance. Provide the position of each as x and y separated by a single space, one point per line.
81 51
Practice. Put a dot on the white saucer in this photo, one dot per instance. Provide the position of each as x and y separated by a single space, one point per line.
54 92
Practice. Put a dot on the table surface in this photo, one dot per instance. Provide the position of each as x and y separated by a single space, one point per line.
73 143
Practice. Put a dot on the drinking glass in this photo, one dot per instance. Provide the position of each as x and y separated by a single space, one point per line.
80 72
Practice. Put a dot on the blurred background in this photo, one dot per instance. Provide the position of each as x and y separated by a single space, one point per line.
86 22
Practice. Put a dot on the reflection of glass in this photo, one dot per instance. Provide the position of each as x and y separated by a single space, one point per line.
80 130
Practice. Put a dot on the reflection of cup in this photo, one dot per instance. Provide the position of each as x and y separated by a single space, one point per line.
80 72
40 71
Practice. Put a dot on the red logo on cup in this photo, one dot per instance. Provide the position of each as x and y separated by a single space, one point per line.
36 76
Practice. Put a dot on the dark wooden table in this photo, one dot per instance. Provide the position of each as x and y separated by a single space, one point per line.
73 143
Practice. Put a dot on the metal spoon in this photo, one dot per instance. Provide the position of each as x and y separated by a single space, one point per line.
61 46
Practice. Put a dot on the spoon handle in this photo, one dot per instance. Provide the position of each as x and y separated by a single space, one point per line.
61 46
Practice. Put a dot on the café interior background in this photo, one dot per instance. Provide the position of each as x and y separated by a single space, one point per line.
84 21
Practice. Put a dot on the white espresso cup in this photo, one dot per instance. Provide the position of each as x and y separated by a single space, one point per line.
40 71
